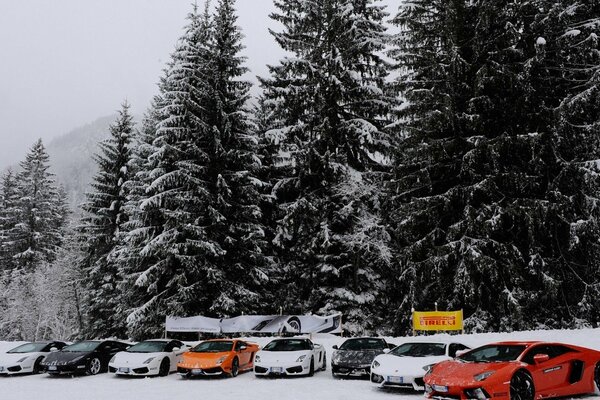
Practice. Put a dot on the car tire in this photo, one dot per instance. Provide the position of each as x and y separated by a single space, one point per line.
311 370
597 377
521 386
324 367
94 366
235 367
37 368
165 367
295 325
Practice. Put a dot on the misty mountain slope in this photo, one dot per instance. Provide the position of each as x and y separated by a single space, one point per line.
72 157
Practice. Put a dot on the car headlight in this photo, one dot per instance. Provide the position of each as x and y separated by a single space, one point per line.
428 368
256 359
375 364
22 359
483 376
301 358
112 360
148 361
220 360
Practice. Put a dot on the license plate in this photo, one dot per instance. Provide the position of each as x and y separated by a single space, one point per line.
439 388
125 370
277 370
52 368
196 371
395 379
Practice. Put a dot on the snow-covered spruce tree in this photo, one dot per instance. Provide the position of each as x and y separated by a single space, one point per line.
40 212
474 202
100 226
329 100
8 217
194 245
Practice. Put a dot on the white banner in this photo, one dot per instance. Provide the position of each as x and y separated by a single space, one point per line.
258 323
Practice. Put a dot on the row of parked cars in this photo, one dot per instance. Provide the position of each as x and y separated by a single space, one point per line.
524 370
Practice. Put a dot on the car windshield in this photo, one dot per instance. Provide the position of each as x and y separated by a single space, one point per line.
419 350
148 347
493 353
213 347
82 347
363 344
28 348
288 345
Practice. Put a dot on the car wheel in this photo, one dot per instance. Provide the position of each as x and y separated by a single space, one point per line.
294 324
94 366
311 370
324 367
37 368
521 386
235 367
165 367
597 376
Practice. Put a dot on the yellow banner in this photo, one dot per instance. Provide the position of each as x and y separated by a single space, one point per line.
438 320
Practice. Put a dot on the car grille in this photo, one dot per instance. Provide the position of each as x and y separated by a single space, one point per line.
260 370
14 369
143 370
294 370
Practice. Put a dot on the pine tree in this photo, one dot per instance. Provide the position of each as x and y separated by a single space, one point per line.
8 217
101 227
40 214
329 102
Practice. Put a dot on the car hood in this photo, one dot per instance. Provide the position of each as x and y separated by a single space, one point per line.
204 359
64 356
12 358
354 357
281 356
410 366
125 358
455 372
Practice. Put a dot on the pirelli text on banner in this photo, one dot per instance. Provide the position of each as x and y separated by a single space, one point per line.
438 320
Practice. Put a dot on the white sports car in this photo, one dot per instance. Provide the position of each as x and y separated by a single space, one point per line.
290 356
26 358
150 357
406 365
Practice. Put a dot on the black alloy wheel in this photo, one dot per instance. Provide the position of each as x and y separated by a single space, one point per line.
521 386
597 376
94 366
165 366
235 367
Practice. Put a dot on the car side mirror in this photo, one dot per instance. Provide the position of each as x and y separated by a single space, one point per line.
540 358
460 352
335 347
386 351
53 349
242 348
176 349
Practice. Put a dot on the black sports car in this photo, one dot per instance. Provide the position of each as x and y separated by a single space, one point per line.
354 356
87 357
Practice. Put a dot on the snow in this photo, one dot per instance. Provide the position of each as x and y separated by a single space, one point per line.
246 385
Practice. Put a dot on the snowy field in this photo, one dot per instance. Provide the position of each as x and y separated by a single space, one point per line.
321 386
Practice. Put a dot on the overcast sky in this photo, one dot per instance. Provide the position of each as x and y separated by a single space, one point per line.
65 63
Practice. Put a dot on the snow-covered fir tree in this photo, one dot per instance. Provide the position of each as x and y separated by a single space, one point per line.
8 217
100 228
40 212
329 103
474 203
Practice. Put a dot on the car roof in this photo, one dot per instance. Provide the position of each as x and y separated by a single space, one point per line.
519 342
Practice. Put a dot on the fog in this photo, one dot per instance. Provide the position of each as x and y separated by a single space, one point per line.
65 63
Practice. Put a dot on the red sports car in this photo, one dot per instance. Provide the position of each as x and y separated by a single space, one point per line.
516 371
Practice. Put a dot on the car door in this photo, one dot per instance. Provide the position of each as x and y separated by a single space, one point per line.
547 374
243 352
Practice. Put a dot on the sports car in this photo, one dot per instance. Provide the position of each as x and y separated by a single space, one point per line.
354 356
405 365
218 357
516 370
293 356
26 358
150 357
87 357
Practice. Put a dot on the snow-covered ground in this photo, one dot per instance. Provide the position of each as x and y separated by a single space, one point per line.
321 386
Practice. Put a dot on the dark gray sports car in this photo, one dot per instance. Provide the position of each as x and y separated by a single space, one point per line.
354 357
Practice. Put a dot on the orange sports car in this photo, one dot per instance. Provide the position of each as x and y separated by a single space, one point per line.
218 357
516 371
